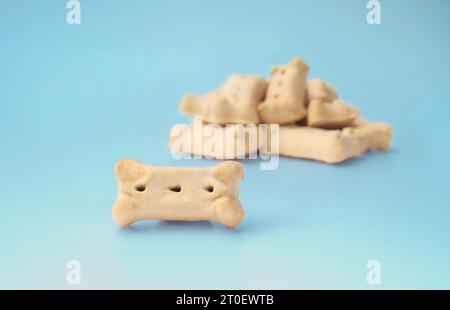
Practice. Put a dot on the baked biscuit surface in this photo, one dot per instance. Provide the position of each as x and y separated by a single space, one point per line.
286 93
331 115
333 146
320 90
178 194
234 103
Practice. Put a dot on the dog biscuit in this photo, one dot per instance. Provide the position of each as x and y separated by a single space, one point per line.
318 89
178 194
371 135
330 115
333 146
212 141
285 98
234 103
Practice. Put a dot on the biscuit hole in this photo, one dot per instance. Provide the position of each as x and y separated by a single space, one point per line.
176 188
140 188
209 188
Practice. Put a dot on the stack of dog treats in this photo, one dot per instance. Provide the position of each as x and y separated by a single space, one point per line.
314 123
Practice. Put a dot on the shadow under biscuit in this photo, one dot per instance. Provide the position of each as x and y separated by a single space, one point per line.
365 158
149 226
183 226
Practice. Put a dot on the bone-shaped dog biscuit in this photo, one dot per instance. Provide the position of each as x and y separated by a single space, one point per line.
178 194
331 115
285 97
236 141
370 135
320 90
333 146
234 103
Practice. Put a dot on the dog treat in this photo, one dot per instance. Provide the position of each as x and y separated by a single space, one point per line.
285 98
178 194
234 103
320 90
330 115
314 123
236 141
371 135
333 146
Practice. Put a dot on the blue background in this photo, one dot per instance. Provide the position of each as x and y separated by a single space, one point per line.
75 99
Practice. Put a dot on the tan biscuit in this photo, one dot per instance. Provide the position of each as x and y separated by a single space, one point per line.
285 98
318 89
234 103
370 135
236 141
333 146
178 194
331 115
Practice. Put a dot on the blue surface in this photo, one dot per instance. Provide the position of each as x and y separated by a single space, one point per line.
74 99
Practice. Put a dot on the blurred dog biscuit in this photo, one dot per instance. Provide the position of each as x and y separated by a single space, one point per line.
331 115
234 103
320 90
333 146
285 98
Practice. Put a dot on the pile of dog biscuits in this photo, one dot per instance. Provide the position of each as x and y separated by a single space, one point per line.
313 122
